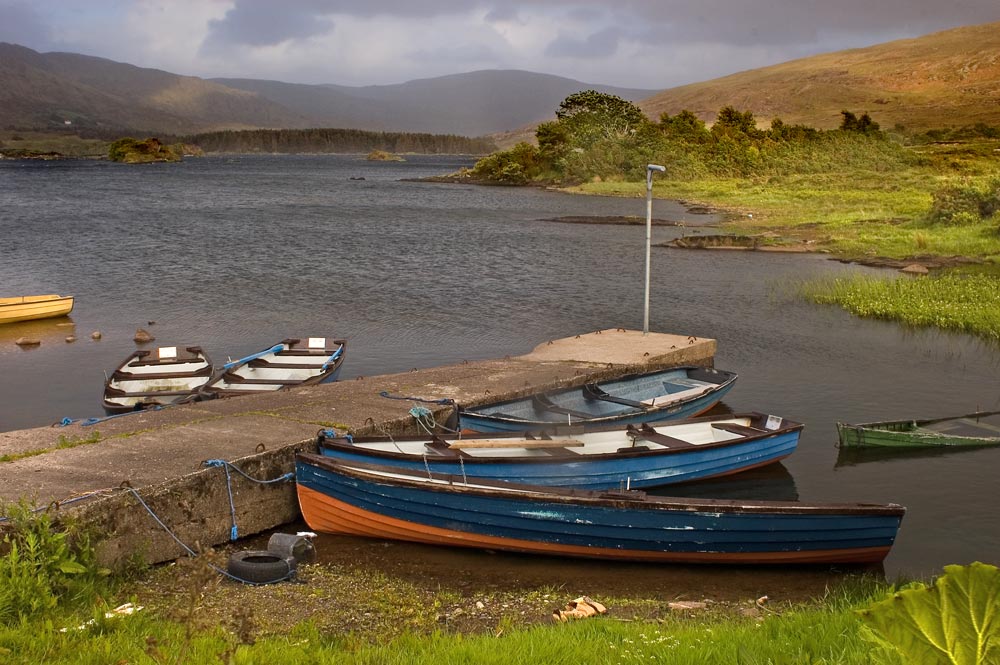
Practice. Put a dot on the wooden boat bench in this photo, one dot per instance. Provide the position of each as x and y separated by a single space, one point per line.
735 428
239 380
258 363
516 443
592 391
647 433
543 403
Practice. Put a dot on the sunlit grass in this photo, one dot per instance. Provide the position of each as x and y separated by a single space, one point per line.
814 634
853 215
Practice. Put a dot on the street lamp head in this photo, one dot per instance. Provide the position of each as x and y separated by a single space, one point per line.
655 167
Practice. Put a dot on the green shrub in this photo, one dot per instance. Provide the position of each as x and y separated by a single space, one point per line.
968 202
42 567
118 150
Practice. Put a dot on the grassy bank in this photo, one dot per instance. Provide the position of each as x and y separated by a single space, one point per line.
827 632
855 215
866 216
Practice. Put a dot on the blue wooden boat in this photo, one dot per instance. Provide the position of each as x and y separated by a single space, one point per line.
681 392
634 456
381 502
293 362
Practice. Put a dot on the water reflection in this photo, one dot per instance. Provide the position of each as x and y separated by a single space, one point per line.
773 482
852 456
44 330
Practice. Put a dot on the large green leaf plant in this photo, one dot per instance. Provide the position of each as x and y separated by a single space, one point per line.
954 622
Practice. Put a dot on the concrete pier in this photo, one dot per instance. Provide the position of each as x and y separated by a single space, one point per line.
97 473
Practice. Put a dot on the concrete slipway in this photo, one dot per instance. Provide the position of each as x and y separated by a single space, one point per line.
97 473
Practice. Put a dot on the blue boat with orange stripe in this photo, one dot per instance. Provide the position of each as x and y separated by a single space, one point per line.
587 458
380 502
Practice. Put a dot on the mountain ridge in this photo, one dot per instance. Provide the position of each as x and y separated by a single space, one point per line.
951 77
58 90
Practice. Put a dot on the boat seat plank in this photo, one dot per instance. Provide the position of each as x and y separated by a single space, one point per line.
261 382
676 397
258 363
117 394
128 376
593 391
735 428
647 433
516 443
543 403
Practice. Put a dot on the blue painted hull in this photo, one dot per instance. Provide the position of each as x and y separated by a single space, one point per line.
522 414
365 501
597 472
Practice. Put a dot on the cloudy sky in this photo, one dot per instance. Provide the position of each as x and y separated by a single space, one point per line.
635 43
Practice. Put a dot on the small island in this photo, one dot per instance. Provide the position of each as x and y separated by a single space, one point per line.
132 151
383 156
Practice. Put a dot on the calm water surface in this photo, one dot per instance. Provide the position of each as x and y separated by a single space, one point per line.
235 253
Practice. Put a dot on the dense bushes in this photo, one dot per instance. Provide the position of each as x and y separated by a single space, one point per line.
602 136
132 151
967 202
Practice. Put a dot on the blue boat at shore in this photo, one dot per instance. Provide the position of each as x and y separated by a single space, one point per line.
380 502
631 456
681 392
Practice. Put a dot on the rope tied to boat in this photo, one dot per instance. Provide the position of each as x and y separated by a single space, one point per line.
234 531
425 418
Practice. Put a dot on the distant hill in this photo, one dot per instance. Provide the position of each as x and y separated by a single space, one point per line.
470 104
59 90
45 91
949 78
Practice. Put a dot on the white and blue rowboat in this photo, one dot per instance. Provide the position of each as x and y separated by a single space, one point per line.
681 392
293 362
380 502
633 456
157 377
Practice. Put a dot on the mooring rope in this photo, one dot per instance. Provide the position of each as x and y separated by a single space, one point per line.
192 553
87 422
234 531
443 400
425 418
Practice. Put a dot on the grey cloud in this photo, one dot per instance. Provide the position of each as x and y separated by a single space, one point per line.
21 24
503 13
467 54
265 23
597 45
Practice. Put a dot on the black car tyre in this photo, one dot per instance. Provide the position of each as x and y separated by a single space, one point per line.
260 567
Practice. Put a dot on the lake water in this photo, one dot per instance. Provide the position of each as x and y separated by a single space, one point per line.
236 253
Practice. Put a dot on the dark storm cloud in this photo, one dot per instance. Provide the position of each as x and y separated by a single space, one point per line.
733 22
266 23
597 45
22 24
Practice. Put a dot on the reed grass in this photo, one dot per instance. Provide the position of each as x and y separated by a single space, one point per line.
965 303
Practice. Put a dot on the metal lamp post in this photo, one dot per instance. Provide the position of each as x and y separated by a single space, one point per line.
649 234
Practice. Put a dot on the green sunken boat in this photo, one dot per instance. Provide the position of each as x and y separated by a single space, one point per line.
974 429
